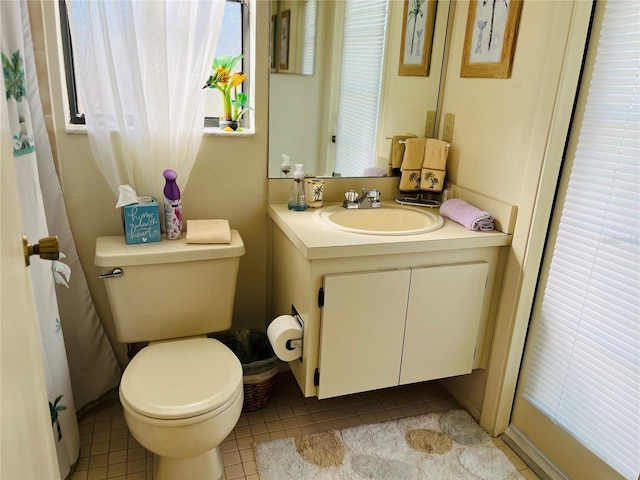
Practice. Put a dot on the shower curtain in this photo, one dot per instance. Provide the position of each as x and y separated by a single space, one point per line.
78 360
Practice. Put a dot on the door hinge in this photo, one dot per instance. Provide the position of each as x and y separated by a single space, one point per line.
316 378
321 297
486 282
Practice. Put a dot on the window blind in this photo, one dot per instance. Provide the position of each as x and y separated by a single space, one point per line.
365 23
309 41
585 357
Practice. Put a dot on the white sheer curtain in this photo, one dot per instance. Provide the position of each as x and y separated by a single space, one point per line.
141 66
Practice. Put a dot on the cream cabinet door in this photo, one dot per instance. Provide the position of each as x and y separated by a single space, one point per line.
362 329
443 316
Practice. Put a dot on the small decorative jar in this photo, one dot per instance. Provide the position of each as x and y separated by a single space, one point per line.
314 188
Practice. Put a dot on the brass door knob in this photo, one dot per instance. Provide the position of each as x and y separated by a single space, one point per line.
47 248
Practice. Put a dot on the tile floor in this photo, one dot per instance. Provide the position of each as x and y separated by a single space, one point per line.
109 452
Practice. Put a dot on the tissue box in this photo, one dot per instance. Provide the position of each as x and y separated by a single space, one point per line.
141 222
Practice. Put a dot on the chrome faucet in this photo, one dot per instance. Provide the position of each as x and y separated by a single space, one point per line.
367 199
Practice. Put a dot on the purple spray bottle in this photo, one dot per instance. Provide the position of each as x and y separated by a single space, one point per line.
172 207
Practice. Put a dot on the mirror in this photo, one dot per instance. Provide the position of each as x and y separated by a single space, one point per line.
303 107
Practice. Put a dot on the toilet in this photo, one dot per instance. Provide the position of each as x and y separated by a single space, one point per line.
182 394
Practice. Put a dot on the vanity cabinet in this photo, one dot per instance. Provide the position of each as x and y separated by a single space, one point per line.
380 311
388 328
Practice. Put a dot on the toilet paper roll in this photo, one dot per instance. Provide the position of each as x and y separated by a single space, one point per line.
282 333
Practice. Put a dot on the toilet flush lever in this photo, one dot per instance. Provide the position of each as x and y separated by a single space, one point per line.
115 273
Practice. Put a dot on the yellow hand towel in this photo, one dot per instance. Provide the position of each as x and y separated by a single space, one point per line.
412 162
208 231
397 150
435 154
434 165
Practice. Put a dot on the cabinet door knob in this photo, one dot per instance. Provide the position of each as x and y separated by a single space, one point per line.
47 248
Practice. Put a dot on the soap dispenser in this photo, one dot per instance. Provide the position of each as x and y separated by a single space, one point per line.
285 167
297 200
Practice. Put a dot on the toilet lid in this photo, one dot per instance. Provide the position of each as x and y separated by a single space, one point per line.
181 378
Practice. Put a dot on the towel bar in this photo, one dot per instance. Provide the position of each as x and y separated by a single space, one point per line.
404 141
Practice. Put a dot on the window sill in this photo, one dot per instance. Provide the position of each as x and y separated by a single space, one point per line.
216 132
72 129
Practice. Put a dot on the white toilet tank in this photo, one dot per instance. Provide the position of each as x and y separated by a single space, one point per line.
169 289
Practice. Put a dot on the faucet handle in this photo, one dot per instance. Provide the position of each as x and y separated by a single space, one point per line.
374 195
351 195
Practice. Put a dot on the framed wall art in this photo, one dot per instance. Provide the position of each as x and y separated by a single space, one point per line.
490 39
417 37
272 41
285 31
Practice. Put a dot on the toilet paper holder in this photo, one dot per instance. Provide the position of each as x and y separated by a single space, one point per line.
285 335
294 343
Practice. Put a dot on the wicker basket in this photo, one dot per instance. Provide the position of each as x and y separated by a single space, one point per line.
259 365
257 389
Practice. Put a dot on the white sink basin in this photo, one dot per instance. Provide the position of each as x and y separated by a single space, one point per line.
388 220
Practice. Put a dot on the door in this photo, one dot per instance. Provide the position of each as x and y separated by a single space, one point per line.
443 316
26 443
362 330
578 394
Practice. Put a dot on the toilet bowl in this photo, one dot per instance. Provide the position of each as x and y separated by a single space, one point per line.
181 399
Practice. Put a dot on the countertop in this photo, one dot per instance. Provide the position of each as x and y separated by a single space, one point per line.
316 241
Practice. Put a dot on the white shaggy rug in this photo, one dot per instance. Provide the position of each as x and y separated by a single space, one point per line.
443 446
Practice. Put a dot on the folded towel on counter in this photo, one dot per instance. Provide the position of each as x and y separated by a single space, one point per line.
467 215
374 172
434 165
412 164
208 231
397 150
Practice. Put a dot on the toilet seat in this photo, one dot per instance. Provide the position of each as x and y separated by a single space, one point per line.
180 379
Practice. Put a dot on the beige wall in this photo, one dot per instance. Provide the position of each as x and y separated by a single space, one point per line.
501 148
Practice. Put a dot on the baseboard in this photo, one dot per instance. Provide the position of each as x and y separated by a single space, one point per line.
460 398
535 459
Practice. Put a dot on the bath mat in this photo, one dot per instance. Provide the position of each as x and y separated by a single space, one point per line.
438 446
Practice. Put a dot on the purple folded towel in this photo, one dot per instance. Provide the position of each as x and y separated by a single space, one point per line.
466 214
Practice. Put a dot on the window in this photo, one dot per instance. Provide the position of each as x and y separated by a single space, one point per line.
233 40
230 42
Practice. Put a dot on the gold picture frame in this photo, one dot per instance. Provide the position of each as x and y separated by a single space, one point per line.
490 38
417 37
285 30
273 41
